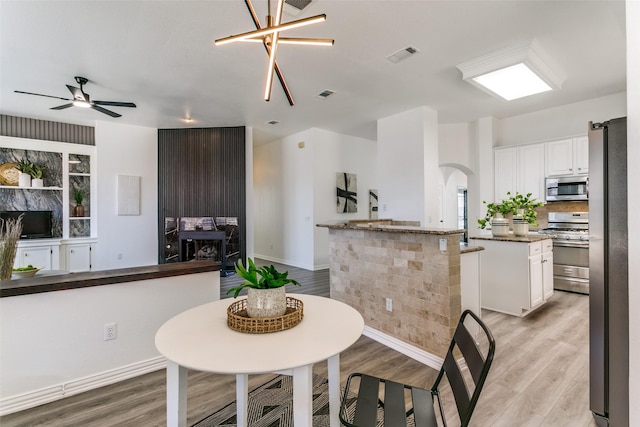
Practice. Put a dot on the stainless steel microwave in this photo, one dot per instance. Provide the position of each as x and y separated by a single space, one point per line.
566 188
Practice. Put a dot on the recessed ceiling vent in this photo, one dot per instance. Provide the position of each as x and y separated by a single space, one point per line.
295 7
325 94
272 122
402 54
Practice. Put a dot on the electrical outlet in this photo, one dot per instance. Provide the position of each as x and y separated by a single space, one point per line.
389 304
110 331
119 256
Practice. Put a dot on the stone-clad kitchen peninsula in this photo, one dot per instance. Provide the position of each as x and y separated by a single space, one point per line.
414 271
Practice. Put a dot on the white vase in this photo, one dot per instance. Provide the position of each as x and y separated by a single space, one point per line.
520 227
37 183
266 302
499 227
24 180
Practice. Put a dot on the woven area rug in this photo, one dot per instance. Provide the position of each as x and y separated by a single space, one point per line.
271 405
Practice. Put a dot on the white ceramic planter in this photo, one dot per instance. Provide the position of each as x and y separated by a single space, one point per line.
520 227
37 183
24 180
499 227
266 302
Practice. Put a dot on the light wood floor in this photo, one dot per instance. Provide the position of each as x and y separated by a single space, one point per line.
539 377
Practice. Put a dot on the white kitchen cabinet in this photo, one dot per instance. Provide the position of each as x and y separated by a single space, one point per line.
568 157
519 169
516 276
547 269
581 155
77 256
38 253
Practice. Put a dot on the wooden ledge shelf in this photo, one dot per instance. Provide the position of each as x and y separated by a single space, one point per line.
40 284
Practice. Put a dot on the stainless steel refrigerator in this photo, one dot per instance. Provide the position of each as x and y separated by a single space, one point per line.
608 274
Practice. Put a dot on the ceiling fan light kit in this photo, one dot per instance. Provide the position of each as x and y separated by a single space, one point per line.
513 72
270 38
83 100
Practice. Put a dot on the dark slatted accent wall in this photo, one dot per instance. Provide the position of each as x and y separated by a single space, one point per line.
22 127
201 172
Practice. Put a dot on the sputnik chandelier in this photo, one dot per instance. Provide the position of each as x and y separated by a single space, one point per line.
270 38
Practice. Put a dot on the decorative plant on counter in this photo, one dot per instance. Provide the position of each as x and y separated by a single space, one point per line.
10 231
523 206
260 278
494 210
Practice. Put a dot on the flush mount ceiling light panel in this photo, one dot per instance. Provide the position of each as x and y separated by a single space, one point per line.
270 38
514 72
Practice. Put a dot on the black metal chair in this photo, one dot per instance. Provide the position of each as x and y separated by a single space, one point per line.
392 410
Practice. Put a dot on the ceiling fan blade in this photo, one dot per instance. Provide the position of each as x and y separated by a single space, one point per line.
78 94
62 107
105 111
39 94
115 103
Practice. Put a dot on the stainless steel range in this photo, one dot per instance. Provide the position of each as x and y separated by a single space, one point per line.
570 231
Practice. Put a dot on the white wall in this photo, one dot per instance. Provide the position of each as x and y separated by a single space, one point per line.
633 160
453 180
283 198
126 150
52 343
408 174
295 189
453 145
333 153
563 121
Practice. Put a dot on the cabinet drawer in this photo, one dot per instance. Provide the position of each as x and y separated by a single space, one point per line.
535 248
547 245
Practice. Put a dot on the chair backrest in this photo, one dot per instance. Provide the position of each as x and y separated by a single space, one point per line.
466 391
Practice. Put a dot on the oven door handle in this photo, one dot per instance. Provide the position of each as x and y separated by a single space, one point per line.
566 244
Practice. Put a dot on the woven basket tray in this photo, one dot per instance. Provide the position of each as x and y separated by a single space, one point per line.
238 320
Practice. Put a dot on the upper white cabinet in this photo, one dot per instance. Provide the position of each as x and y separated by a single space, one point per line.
568 157
581 154
519 169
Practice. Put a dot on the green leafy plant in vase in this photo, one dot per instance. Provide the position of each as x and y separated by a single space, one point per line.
78 196
524 214
265 286
36 175
25 167
523 207
494 210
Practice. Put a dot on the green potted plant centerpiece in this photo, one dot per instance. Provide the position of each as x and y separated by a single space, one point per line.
36 173
523 212
495 217
265 286
24 178
78 196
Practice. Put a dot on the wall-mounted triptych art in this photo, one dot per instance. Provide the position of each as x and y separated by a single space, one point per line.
373 204
347 192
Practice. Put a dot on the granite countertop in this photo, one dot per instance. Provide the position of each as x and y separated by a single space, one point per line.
60 282
373 226
530 238
465 248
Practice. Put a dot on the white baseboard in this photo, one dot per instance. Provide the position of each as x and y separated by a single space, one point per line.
34 398
413 352
283 261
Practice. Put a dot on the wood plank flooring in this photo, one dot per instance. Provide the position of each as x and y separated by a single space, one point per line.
539 376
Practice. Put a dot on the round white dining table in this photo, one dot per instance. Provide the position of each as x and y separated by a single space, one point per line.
200 339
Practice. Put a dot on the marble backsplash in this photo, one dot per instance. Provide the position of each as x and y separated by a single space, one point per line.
26 199
52 162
